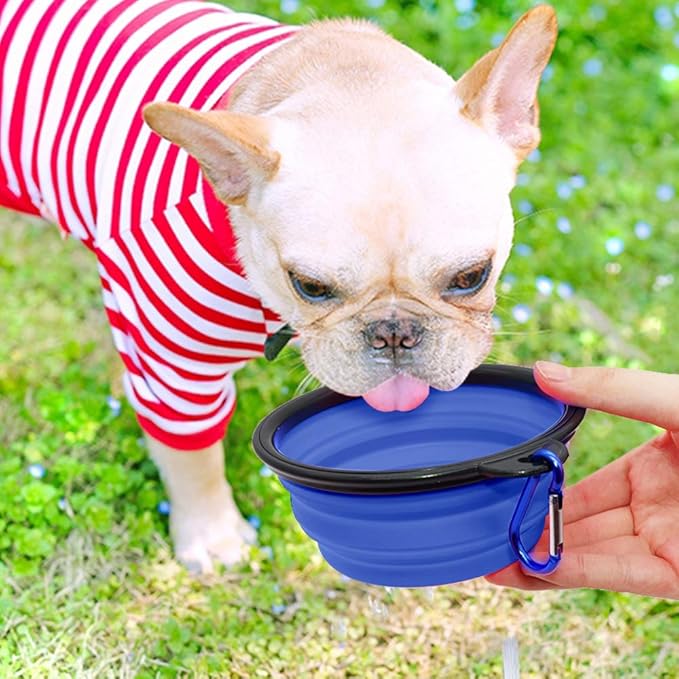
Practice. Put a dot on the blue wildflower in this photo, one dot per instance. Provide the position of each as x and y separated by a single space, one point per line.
163 508
663 17
496 39
289 6
547 73
114 405
564 290
564 190
525 207
592 67
664 192
464 5
522 313
615 246
669 72
597 12
465 21
577 181
643 230
663 281
37 471
544 285
563 224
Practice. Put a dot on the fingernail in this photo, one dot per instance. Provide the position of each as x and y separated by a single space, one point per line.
555 372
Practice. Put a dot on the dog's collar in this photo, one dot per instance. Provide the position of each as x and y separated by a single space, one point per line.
275 343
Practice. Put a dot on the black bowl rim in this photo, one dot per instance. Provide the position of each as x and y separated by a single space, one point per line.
510 462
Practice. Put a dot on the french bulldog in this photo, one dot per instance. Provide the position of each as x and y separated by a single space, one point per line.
325 178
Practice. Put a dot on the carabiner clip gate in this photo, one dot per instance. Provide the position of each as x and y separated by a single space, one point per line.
555 516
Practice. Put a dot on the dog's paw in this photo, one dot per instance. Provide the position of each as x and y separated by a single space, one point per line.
200 556
202 540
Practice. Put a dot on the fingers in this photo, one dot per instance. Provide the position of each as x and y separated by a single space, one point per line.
593 530
606 489
603 491
637 573
647 396
623 564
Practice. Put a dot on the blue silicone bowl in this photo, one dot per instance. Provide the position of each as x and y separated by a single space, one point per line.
456 489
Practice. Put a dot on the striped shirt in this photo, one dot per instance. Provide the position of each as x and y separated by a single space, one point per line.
73 148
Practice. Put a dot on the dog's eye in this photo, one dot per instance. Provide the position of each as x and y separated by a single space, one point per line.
469 281
310 290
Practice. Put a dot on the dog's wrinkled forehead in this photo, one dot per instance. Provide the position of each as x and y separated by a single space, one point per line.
427 178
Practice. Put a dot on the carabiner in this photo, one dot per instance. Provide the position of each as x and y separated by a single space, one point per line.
555 516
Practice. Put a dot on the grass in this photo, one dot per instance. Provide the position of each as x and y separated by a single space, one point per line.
87 583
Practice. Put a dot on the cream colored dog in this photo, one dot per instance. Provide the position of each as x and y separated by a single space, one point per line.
370 195
368 191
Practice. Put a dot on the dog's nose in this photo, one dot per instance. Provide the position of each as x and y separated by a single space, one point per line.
393 334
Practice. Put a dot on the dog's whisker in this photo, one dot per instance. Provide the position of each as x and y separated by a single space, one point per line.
518 333
533 214
306 381
511 299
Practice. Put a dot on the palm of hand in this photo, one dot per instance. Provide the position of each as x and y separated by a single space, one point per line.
653 490
620 527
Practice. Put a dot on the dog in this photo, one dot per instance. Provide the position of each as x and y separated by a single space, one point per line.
235 177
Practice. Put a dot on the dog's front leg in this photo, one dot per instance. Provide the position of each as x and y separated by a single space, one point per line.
205 523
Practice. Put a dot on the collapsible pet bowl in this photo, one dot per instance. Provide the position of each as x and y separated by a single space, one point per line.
458 488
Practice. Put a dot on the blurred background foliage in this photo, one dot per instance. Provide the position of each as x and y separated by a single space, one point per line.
87 584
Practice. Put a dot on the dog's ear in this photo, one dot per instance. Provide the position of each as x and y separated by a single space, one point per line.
232 149
500 91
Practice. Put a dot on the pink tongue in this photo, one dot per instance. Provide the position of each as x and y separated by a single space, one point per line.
401 392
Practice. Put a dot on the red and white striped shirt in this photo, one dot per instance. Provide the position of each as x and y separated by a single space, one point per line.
74 77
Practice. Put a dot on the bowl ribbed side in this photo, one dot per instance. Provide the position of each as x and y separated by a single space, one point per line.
419 539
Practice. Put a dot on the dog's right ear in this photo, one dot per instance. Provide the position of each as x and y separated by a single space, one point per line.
232 149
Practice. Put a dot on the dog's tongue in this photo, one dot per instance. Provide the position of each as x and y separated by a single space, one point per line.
401 392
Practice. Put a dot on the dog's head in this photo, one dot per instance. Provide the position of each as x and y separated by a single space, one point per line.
371 205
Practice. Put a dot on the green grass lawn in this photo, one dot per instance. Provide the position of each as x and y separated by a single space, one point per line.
88 587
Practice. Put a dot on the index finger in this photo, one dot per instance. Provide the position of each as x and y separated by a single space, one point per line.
640 395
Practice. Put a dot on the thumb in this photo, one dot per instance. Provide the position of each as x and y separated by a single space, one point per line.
639 395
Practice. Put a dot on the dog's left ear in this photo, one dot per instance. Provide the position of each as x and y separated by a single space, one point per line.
232 149
500 91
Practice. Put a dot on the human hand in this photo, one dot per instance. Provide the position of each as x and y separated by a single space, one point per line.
622 522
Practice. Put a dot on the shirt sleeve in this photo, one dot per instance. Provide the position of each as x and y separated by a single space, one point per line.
183 318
